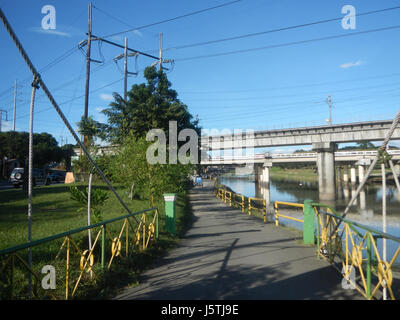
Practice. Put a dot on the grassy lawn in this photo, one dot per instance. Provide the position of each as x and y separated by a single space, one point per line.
54 212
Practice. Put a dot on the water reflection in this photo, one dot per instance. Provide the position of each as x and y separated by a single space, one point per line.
298 191
367 209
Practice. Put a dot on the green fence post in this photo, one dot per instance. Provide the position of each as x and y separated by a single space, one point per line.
158 217
103 245
170 216
308 226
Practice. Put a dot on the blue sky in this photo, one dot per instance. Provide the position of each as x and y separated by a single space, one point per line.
261 87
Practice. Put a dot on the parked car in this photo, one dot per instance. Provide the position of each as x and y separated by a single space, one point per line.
57 176
38 176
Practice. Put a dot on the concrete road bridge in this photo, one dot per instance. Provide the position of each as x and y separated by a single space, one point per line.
306 157
324 140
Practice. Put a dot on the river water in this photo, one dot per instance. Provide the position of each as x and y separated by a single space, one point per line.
368 213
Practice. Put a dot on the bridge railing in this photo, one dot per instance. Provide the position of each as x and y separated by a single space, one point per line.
73 262
353 249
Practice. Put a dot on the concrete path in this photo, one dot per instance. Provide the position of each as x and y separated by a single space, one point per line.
229 255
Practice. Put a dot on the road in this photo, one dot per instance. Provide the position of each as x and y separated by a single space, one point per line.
5 185
230 255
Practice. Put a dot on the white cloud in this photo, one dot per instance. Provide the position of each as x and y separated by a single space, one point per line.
106 97
51 32
351 64
138 33
62 31
99 116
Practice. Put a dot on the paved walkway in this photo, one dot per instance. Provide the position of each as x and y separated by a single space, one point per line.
229 255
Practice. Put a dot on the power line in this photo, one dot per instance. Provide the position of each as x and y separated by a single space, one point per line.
385 85
277 107
289 44
172 19
276 30
112 17
73 99
296 86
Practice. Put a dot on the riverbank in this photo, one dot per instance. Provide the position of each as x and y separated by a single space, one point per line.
311 175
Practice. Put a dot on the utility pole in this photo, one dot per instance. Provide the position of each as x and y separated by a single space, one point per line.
125 55
1 116
329 102
125 68
89 41
160 60
160 51
15 104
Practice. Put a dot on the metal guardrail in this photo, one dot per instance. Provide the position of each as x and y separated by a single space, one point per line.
252 207
354 246
290 204
131 236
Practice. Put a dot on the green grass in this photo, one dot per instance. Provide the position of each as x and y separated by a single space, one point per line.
306 175
53 213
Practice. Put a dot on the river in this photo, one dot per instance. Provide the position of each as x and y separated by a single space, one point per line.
369 213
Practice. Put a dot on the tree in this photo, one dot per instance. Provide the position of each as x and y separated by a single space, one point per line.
365 145
149 106
14 145
68 152
131 168
90 128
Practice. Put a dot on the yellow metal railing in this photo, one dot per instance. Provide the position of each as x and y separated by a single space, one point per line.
354 247
228 197
81 263
252 207
289 204
240 203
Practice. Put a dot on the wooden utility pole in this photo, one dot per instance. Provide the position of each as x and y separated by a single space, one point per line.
89 41
88 60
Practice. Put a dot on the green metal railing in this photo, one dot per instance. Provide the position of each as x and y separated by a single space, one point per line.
352 248
80 264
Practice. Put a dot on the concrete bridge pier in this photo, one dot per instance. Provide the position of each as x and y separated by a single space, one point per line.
361 174
262 177
353 176
326 171
266 182
258 172
346 176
